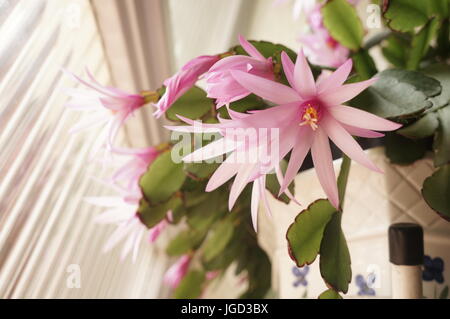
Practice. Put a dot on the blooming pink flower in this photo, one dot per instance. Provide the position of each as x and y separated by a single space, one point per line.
182 81
223 87
107 107
177 271
306 115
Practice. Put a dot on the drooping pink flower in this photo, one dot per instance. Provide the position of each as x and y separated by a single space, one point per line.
177 271
223 87
160 227
183 80
129 174
121 211
306 115
106 106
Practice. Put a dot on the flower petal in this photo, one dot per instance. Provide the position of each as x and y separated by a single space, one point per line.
336 79
222 174
280 179
323 163
356 131
345 92
250 49
288 68
304 79
346 142
240 181
255 204
362 119
268 90
212 150
299 152
263 194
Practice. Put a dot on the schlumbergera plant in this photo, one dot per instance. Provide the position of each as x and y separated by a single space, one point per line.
262 110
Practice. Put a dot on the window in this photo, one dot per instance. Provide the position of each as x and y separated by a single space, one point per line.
44 173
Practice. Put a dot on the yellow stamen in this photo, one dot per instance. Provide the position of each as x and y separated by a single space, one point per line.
310 117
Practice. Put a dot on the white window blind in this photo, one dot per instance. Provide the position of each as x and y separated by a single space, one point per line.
45 226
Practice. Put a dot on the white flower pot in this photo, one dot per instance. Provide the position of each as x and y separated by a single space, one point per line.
373 202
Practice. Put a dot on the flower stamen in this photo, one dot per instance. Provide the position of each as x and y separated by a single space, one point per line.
310 117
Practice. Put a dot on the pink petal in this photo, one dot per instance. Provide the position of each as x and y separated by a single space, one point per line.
121 231
112 91
255 204
129 243
116 124
94 87
288 68
240 181
356 131
346 142
345 92
212 150
323 163
192 129
250 49
232 62
362 119
225 171
90 121
299 152
337 78
201 125
262 187
236 115
137 242
280 179
268 90
105 201
304 79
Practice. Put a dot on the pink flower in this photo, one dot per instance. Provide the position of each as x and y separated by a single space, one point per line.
177 271
107 107
306 115
319 45
322 49
121 211
182 81
129 174
223 87
160 227
315 19
210 275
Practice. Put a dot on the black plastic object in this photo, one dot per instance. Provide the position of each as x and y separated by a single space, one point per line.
406 244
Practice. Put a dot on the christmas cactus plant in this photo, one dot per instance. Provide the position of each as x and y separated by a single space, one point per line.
245 133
